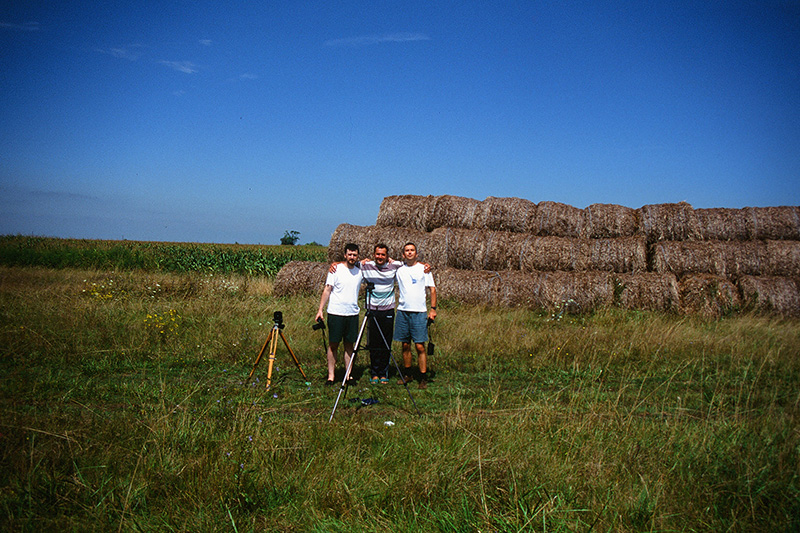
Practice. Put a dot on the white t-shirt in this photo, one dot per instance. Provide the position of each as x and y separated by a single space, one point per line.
346 282
411 282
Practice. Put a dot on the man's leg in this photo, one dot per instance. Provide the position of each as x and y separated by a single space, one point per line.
422 357
348 354
333 348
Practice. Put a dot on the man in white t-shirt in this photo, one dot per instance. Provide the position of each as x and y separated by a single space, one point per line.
341 293
412 313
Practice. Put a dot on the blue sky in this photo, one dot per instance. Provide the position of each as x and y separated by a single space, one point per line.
236 121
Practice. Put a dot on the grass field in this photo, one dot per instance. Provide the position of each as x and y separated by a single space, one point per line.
126 407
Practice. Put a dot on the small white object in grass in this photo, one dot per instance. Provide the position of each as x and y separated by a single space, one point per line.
388 423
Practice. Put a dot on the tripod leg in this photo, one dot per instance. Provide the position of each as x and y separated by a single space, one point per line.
296 362
391 356
272 349
260 354
349 368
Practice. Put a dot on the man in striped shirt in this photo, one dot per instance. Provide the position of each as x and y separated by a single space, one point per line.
380 305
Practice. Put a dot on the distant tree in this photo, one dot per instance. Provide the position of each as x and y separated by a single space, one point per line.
290 237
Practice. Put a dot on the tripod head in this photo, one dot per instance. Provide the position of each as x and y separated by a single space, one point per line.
368 296
277 317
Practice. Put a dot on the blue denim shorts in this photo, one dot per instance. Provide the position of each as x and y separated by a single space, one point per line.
410 325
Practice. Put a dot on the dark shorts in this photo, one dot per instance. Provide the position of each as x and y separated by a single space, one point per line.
343 328
410 325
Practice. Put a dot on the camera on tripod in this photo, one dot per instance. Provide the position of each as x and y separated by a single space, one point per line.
277 317
370 286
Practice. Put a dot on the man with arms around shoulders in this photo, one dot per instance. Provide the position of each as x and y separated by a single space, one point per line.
412 314
381 272
341 294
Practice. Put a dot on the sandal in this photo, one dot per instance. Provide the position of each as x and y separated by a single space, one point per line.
384 381
374 380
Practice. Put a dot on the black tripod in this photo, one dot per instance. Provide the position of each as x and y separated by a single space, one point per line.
272 341
367 315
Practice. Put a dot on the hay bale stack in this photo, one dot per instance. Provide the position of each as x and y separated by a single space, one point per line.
647 291
722 224
783 258
774 223
708 295
366 237
300 277
771 294
728 259
668 222
607 221
622 254
555 219
405 211
453 212
506 214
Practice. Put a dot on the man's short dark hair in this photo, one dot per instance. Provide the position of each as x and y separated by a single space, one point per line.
350 247
409 243
382 246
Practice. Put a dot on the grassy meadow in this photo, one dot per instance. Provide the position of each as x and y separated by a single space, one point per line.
126 407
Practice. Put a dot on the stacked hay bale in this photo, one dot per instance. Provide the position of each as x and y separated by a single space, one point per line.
671 257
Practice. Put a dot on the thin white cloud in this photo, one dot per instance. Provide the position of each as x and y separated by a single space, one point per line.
27 26
205 42
248 76
187 67
366 40
121 53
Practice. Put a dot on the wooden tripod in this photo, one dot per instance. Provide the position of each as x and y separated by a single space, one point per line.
272 342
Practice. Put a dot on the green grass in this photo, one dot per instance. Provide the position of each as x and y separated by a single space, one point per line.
253 260
614 421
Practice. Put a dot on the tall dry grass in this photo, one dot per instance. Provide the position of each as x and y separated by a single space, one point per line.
612 421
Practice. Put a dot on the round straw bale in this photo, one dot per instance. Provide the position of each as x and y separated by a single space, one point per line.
459 248
776 223
783 258
772 294
503 250
558 220
452 212
668 222
722 224
554 253
605 221
708 295
521 289
585 290
647 291
466 286
622 254
405 211
506 214
300 277
729 259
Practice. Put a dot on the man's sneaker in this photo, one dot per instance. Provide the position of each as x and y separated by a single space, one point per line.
408 378
423 382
